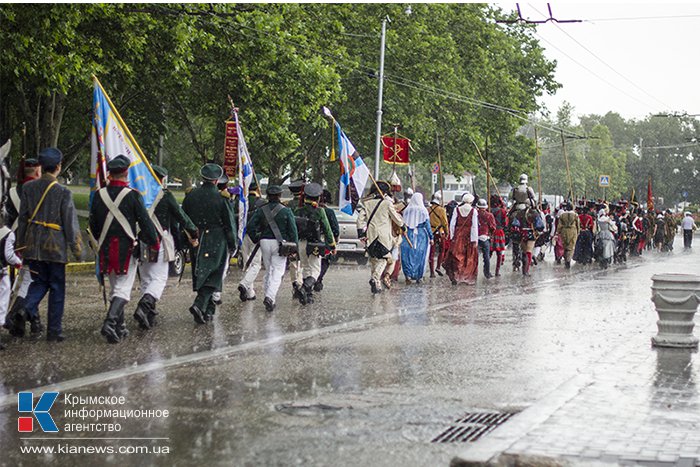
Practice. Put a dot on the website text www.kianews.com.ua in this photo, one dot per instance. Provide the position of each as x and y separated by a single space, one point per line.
67 448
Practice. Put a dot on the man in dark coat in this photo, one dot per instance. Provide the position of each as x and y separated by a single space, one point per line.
168 218
211 214
48 226
115 212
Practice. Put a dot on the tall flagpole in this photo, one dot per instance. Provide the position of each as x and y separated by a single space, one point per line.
378 144
539 174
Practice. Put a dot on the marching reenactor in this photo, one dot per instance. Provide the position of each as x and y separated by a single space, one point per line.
440 225
115 213
335 228
400 206
375 220
31 171
274 228
214 219
568 229
498 245
250 251
315 239
229 194
296 187
8 259
48 226
168 218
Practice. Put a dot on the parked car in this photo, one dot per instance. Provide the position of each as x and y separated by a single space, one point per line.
349 246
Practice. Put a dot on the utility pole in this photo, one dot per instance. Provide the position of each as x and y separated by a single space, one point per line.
378 145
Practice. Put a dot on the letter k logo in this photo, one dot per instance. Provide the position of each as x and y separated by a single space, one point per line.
25 403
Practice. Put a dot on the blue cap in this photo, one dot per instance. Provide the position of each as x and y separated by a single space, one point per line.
50 157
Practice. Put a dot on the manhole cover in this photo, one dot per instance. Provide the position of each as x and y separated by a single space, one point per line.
472 426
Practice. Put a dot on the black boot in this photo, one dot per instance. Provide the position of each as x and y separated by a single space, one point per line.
16 321
318 286
299 293
198 314
210 311
308 288
141 312
35 326
115 317
375 287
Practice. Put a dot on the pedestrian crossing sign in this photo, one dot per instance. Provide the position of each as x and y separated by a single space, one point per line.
604 180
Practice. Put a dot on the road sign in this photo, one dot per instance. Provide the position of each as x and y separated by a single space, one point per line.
436 168
604 180
435 180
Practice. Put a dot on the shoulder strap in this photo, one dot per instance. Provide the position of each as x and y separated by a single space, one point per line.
114 213
4 231
270 217
152 213
371 216
41 201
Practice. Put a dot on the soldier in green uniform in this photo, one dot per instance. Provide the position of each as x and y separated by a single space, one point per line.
210 213
315 240
226 193
168 218
261 230
296 187
335 228
115 212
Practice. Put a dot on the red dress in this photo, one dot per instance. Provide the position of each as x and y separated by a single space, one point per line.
498 240
462 261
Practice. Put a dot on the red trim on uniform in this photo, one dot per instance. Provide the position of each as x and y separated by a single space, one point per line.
118 183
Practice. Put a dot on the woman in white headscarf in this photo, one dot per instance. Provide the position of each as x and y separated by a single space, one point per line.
462 261
413 255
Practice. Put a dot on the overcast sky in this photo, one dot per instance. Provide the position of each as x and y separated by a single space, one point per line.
648 65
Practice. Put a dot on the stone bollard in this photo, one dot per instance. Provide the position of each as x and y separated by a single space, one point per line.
676 298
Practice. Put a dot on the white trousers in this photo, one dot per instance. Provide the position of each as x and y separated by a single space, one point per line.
154 276
120 285
251 273
26 278
5 290
308 265
216 296
274 267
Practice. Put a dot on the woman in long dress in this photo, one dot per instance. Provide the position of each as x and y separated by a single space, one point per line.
462 261
413 255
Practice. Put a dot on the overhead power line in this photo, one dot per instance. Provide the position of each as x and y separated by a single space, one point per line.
645 104
606 64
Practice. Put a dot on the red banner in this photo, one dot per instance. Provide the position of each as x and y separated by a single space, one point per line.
395 150
231 150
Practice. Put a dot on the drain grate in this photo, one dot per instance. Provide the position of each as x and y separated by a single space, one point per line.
472 426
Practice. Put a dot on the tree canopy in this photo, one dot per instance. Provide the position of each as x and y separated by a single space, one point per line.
452 74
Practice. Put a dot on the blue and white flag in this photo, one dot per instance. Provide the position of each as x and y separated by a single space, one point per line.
353 171
245 178
110 138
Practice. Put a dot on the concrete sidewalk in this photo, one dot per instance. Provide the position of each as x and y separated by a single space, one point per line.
638 405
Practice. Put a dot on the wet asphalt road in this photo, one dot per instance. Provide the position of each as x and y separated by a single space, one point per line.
349 380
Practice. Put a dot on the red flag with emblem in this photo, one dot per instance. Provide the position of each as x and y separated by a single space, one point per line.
396 150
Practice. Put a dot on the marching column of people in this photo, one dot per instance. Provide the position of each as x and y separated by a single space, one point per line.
405 236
